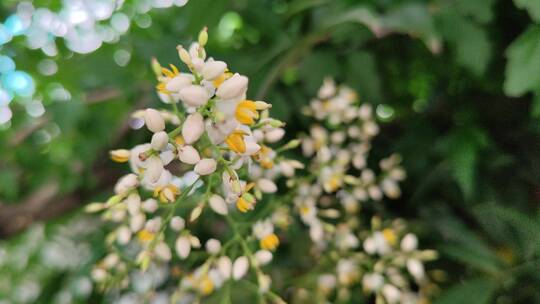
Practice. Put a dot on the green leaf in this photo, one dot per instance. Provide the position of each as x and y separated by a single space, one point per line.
362 75
523 68
413 19
528 229
480 10
463 148
461 243
532 6
316 66
470 42
477 291
479 258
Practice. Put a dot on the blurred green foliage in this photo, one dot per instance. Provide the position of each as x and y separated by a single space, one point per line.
459 81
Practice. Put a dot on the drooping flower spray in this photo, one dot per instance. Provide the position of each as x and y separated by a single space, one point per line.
209 152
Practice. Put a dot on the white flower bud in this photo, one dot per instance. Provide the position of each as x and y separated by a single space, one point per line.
264 282
409 242
133 202
416 269
154 169
123 235
370 246
194 95
217 203
206 166
99 274
111 260
274 135
153 225
193 128
390 188
266 185
224 266
184 55
188 155
391 293
137 222
233 87
159 140
183 247
163 251
213 246
263 257
197 63
213 69
240 267
375 193
372 281
177 223
154 121
178 82
126 183
94 207
150 205
196 212
195 242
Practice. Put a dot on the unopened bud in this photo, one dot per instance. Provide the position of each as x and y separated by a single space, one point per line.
159 140
156 67
196 213
261 105
193 128
154 121
205 166
203 37
184 55
94 207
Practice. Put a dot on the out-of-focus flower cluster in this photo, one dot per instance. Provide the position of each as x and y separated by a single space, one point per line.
208 158
383 259
46 251
84 25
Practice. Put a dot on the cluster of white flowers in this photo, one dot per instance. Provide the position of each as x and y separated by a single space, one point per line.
208 152
329 201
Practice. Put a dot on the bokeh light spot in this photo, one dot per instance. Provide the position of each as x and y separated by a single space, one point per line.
229 23
385 112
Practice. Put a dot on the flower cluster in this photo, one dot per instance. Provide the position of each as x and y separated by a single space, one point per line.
380 259
209 151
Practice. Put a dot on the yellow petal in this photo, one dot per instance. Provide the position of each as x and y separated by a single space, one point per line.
235 141
243 205
269 242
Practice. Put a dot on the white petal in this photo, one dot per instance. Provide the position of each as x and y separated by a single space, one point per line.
240 267
154 121
213 246
206 166
263 257
233 87
213 69
159 140
194 95
183 247
154 169
224 266
188 155
409 242
177 223
266 185
193 128
217 203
